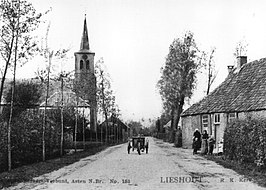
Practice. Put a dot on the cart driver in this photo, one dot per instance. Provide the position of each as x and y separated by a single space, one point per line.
147 145
138 149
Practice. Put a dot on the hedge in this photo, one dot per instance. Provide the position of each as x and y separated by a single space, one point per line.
26 138
245 141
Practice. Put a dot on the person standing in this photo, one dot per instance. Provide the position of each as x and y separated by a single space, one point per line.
178 140
196 141
211 144
138 146
204 146
128 146
147 145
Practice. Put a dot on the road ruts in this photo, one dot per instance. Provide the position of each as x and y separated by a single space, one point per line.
164 167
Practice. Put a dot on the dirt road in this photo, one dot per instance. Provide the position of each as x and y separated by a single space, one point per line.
164 167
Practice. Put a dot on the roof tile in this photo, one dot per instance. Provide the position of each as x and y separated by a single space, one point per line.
241 91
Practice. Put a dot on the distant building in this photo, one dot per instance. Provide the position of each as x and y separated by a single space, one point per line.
241 95
117 130
69 100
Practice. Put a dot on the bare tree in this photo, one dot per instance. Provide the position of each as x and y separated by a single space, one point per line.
19 18
13 91
44 76
105 95
28 21
211 72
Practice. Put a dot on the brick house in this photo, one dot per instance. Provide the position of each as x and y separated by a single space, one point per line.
241 95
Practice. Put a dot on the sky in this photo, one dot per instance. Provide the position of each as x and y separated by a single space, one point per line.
133 38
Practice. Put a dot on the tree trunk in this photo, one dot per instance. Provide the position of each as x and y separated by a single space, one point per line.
50 55
1 94
62 116
6 66
96 127
209 78
117 133
210 73
12 101
173 124
106 126
45 107
173 120
10 117
4 77
101 134
176 117
76 124
180 109
91 139
83 130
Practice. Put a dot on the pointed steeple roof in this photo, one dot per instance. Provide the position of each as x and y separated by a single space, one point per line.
84 45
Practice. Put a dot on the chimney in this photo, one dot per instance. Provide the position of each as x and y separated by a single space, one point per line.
230 69
241 60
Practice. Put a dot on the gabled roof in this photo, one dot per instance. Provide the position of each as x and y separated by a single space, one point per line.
54 96
114 119
69 99
167 125
241 91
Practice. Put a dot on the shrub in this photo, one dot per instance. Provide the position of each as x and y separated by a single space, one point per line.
26 134
245 141
26 138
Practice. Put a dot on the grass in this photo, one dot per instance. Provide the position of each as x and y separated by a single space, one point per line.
28 172
248 170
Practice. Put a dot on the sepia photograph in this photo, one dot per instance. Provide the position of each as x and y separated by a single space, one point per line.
132 95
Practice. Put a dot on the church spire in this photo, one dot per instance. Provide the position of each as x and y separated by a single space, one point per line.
84 45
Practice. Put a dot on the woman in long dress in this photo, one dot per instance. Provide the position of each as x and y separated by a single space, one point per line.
204 146
196 141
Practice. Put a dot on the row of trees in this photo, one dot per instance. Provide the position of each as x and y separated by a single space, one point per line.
18 19
26 128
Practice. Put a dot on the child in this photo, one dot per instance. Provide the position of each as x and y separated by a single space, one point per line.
211 144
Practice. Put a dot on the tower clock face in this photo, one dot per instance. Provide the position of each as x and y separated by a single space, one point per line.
84 56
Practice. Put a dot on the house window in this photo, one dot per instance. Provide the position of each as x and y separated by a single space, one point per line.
205 121
217 118
81 64
231 117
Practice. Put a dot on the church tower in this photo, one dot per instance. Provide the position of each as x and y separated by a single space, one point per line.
85 80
